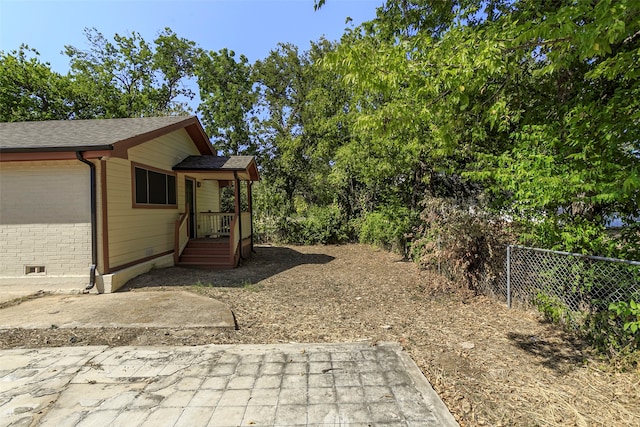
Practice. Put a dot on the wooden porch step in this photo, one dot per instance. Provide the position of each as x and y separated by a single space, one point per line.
206 253
205 262
208 243
207 266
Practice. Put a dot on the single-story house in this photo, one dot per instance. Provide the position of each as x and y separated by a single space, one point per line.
93 203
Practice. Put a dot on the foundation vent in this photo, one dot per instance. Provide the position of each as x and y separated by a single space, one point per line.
34 269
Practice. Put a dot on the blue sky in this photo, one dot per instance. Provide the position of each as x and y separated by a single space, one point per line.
250 27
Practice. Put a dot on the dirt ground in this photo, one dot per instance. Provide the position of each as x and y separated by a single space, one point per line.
491 365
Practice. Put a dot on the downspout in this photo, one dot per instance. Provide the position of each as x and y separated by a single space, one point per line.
94 222
239 205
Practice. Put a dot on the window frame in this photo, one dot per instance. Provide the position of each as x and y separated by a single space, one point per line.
147 205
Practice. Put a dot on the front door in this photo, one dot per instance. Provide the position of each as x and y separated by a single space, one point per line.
190 196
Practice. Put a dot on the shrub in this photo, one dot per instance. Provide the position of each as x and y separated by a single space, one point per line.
265 228
386 227
270 206
320 225
311 226
616 332
463 240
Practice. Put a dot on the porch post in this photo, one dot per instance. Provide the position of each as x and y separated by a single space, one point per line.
236 192
237 207
250 205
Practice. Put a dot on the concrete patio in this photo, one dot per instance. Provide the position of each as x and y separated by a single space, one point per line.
350 384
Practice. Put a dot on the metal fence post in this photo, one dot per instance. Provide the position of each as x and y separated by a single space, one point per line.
439 256
509 276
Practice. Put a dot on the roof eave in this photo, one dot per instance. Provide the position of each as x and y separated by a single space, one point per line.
200 137
251 173
253 170
27 150
39 155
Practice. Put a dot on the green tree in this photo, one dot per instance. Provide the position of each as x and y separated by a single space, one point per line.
228 100
282 90
326 126
30 90
573 162
130 77
302 121
536 101
175 59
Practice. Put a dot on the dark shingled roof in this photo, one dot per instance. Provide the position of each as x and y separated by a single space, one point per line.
207 163
217 163
61 135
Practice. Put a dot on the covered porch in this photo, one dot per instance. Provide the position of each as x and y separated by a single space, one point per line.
210 233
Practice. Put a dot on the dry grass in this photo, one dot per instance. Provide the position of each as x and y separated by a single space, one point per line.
491 365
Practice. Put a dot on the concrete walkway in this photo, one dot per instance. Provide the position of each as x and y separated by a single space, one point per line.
155 309
217 385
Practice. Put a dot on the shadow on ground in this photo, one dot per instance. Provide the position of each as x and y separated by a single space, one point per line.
267 261
559 351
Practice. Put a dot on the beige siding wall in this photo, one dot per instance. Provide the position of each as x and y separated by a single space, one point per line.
45 218
164 152
207 198
137 233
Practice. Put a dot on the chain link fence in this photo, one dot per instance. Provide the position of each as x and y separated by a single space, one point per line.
569 285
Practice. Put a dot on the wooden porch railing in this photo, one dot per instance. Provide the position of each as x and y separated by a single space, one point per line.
181 235
215 223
